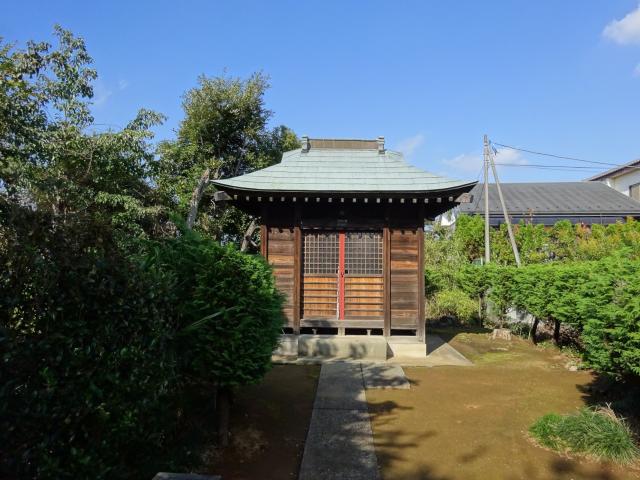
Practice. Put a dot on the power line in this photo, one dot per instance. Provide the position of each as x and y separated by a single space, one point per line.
540 165
563 157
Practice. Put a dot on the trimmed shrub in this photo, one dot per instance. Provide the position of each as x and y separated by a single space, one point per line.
228 311
452 303
594 432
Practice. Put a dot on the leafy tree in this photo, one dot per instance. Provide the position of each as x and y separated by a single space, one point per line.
49 162
103 317
224 133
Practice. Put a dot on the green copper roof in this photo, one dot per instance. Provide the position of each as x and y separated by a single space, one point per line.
341 170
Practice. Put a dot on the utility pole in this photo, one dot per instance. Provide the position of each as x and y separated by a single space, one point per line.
507 220
487 245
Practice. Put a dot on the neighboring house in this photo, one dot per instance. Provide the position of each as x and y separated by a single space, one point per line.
547 203
342 225
625 179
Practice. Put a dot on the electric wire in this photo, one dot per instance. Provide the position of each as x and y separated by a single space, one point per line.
563 157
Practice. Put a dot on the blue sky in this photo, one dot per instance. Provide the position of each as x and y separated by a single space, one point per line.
432 77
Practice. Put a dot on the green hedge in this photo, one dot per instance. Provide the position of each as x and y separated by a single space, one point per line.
601 299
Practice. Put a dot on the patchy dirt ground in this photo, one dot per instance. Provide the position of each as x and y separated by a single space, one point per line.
269 425
472 422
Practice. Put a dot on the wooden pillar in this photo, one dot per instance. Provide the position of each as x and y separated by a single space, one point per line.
297 270
386 270
264 240
420 332
297 277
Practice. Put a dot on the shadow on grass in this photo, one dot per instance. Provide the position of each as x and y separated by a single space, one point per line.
623 396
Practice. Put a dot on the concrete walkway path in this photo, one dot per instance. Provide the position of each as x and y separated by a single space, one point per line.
340 441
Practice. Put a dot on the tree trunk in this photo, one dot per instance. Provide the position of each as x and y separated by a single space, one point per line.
534 328
223 407
196 197
556 331
246 240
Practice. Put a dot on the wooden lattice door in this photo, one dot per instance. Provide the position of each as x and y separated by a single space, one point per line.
342 276
363 288
321 254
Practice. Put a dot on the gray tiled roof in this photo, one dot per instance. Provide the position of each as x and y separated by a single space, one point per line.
341 170
559 198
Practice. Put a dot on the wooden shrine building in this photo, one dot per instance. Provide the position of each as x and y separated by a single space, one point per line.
342 226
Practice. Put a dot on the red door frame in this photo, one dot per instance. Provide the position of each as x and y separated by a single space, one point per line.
341 244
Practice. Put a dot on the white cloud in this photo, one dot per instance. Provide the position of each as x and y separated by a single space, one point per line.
513 157
122 84
467 163
625 31
409 145
472 162
100 94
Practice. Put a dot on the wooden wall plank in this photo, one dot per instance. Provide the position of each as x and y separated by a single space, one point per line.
404 289
279 248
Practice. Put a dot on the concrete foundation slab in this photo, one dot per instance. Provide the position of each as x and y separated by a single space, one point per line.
382 375
287 347
356 347
407 347
406 351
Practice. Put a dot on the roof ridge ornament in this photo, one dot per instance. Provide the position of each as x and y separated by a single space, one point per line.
305 143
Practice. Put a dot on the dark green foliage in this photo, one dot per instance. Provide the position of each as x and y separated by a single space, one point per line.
84 346
228 309
593 432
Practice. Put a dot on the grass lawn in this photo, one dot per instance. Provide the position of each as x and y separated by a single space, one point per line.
472 422
269 424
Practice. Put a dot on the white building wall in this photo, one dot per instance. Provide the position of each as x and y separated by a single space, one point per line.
622 182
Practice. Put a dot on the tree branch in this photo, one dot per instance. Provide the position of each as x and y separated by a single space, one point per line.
196 197
246 240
